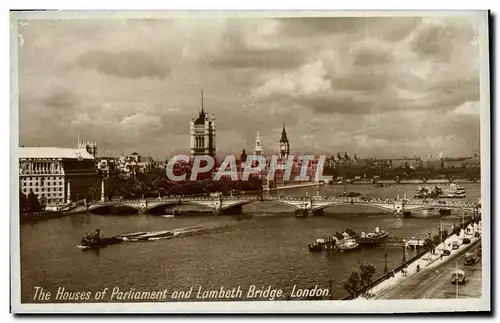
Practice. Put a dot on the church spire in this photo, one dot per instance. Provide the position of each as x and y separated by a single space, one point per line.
283 134
202 111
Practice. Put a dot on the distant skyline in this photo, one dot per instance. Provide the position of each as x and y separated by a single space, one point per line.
376 87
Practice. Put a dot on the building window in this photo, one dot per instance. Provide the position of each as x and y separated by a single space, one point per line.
36 189
60 188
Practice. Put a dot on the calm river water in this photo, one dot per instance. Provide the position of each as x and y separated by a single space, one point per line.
266 245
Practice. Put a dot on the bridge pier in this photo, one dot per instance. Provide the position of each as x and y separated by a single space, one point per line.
143 207
301 213
318 212
238 209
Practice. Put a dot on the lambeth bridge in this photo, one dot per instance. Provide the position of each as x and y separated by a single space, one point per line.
303 205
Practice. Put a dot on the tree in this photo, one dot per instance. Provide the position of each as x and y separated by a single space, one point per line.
367 272
444 234
436 240
33 203
352 284
23 202
91 193
428 245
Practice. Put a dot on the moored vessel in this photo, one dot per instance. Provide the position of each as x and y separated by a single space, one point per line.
373 238
453 191
449 191
322 244
348 244
95 240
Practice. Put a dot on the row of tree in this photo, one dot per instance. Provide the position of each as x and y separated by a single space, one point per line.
155 183
359 281
30 203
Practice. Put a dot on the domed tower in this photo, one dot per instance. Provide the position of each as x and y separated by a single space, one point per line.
258 146
90 147
284 144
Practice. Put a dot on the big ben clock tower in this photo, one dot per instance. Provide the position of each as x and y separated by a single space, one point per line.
284 144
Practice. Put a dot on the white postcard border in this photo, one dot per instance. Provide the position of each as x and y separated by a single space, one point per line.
355 306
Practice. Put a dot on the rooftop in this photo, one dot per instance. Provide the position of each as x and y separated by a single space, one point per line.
53 152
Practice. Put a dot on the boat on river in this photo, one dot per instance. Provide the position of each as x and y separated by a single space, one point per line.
173 213
323 244
372 238
156 235
95 240
449 191
348 244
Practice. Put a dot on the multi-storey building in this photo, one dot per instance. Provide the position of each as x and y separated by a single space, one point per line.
202 133
57 175
454 162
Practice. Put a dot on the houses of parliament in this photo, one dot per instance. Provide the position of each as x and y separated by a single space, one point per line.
203 137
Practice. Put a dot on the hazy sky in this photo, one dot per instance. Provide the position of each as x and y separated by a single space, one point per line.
383 87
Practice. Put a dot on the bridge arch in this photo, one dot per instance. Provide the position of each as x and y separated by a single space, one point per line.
388 209
155 205
431 207
97 208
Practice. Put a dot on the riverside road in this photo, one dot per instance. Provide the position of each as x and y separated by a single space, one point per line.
437 284
265 245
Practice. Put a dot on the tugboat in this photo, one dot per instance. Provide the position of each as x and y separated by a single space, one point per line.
315 247
95 240
373 238
322 244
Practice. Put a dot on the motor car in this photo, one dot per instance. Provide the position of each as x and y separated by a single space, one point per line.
454 245
446 252
470 259
458 277
466 241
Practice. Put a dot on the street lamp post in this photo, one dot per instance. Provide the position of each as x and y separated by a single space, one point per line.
385 258
429 246
404 251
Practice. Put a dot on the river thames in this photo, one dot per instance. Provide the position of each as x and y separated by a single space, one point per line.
266 245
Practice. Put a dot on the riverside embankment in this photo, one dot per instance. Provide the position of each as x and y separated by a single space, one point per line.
426 261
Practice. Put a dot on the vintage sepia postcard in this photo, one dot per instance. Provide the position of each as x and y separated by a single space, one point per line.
250 162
